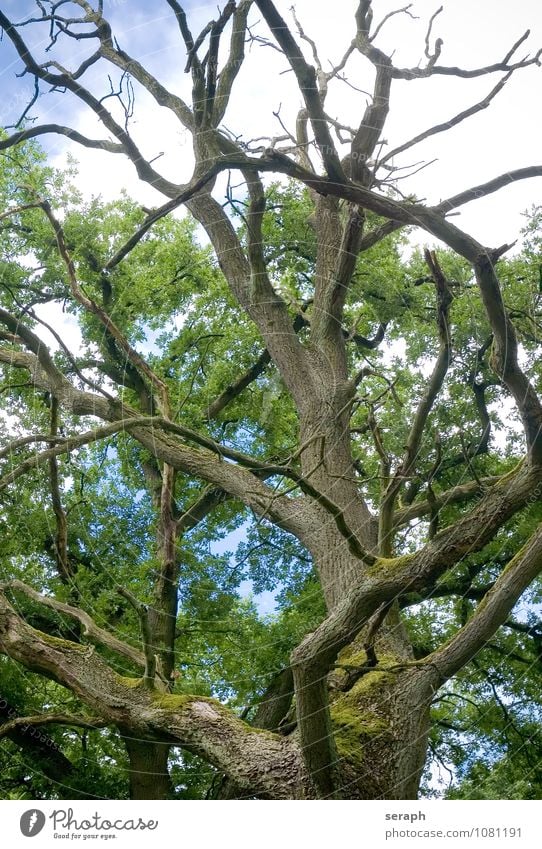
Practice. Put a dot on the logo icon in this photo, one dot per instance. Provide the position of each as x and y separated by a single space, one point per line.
32 822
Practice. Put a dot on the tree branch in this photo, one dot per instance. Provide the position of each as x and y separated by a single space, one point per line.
234 389
306 78
90 628
455 495
26 723
234 62
492 612
266 765
61 542
444 299
447 125
59 130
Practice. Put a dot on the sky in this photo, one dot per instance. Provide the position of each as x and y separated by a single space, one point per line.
503 137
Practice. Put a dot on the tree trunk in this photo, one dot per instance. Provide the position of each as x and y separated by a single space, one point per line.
380 722
149 776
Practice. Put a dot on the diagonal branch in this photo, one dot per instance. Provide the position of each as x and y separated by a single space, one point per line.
447 125
90 628
306 78
484 189
61 542
405 10
211 497
492 612
444 299
235 388
105 319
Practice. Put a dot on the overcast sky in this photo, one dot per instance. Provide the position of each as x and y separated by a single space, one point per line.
503 137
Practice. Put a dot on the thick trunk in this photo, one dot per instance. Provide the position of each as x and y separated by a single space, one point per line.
380 718
327 464
381 727
149 776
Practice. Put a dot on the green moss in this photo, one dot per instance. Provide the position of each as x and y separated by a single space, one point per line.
172 701
175 702
353 728
371 681
506 477
352 657
264 732
57 643
385 565
132 683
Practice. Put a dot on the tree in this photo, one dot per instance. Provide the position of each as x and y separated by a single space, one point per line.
373 495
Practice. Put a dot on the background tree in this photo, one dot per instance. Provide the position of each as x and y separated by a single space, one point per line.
304 383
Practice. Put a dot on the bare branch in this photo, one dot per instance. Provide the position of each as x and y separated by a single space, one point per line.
234 62
447 125
438 44
491 186
442 70
58 129
67 81
404 11
374 118
306 78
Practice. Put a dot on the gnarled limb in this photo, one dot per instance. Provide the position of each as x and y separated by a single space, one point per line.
203 725
90 628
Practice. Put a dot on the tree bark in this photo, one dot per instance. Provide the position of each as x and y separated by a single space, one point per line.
148 770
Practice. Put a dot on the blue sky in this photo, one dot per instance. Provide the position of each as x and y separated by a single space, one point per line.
503 137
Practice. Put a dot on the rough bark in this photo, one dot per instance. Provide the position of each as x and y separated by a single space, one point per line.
149 776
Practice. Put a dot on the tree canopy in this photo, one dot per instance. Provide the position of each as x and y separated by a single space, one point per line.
270 383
